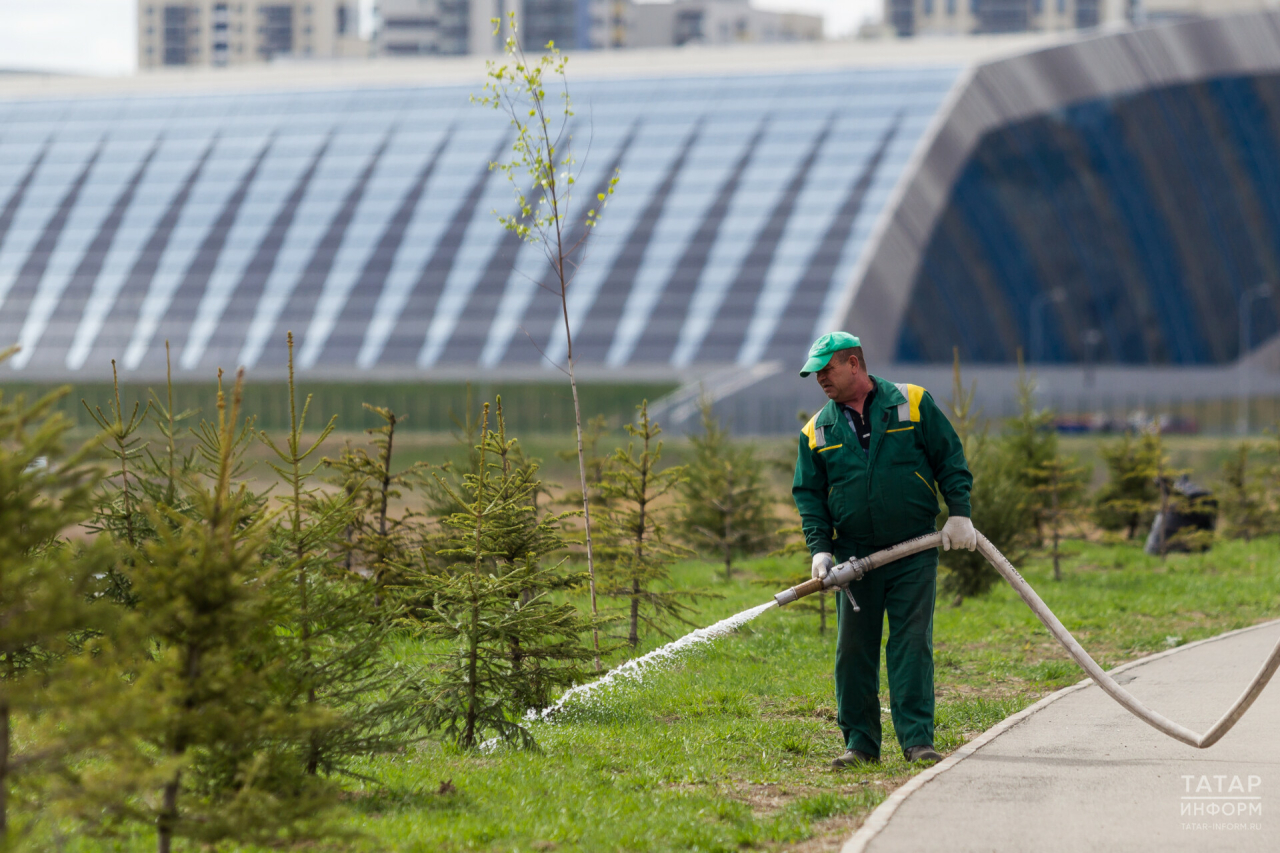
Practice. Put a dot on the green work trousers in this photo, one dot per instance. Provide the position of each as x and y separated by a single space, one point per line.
905 590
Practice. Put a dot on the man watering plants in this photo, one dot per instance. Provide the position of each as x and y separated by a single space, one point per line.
870 468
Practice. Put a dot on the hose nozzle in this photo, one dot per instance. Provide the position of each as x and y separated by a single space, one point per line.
853 570
809 587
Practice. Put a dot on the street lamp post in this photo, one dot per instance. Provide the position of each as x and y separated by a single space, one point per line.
1092 339
1245 307
1038 304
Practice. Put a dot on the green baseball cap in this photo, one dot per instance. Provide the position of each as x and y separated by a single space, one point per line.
825 347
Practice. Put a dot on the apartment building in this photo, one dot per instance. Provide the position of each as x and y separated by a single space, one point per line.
439 27
208 33
451 27
1164 10
734 22
963 17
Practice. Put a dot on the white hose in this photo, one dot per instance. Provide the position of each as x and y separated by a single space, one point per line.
853 570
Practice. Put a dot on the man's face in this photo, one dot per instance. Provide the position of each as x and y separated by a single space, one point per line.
839 379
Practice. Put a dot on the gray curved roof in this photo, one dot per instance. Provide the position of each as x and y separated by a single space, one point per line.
364 221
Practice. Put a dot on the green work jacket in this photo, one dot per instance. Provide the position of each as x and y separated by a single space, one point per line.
853 502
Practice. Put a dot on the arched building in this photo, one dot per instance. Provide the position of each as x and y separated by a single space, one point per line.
1109 200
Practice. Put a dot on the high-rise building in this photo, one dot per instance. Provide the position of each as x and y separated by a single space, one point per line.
962 17
208 33
567 23
717 22
1154 11
450 27
440 27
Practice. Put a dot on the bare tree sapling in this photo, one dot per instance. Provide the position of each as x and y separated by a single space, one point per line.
551 214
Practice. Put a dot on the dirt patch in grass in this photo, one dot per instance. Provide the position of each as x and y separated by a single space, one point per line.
768 799
971 691
830 834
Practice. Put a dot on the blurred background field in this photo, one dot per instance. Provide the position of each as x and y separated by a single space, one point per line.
542 416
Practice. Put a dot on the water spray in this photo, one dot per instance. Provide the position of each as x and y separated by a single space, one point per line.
852 571
636 667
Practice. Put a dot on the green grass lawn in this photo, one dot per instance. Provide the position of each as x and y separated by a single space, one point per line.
729 747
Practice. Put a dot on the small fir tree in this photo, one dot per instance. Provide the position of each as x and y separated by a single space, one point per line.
166 420
194 741
46 582
116 508
1131 496
437 499
726 505
1032 444
1062 485
636 556
334 635
467 433
491 599
1268 472
1176 498
529 536
120 437
141 477
1001 502
379 539
1164 484
1244 499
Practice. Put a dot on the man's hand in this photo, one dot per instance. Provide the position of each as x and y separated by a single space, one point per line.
822 564
958 532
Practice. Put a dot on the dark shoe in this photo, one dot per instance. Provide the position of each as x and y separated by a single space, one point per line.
853 758
925 752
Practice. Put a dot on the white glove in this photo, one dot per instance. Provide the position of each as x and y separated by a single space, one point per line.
958 532
822 564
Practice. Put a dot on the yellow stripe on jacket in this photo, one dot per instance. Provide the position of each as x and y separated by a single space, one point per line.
810 431
914 395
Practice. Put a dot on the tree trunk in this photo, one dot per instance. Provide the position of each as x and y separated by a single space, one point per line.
177 746
349 534
123 448
1164 512
728 513
634 637
304 603
582 477
473 667
4 772
1053 497
380 573
642 503
1057 569
168 817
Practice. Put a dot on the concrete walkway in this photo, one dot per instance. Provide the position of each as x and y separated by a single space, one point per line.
1082 774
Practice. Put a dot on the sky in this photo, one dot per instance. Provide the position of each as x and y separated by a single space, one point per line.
97 36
